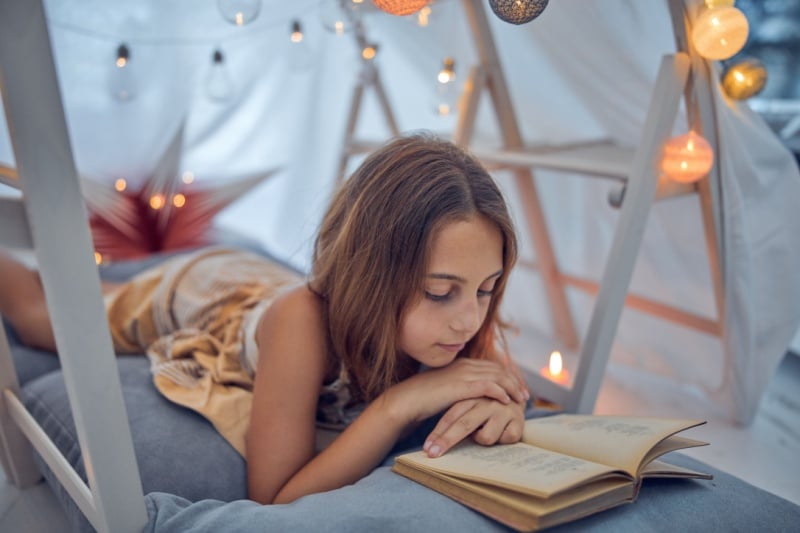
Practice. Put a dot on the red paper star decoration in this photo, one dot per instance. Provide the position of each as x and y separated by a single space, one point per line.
170 212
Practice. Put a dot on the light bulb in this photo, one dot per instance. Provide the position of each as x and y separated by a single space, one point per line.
517 11
239 12
122 79
446 90
218 84
687 158
719 32
339 16
744 79
300 57
424 17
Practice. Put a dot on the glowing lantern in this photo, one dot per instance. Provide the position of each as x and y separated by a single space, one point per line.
719 32
687 158
744 79
400 7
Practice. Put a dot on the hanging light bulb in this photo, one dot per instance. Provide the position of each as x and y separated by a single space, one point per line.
218 84
744 79
424 17
300 57
339 16
400 7
446 90
719 32
517 11
123 82
239 12
687 158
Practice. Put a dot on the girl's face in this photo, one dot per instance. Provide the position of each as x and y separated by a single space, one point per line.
465 263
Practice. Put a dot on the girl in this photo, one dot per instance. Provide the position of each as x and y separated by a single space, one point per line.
398 322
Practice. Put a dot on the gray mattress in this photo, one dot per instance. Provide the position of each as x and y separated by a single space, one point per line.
194 480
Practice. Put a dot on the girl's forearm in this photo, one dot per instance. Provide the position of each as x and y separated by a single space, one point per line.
352 455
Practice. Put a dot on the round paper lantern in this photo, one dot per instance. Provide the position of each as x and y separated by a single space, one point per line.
517 11
744 79
687 158
719 32
400 7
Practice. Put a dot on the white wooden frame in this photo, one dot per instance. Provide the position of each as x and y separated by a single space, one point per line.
51 218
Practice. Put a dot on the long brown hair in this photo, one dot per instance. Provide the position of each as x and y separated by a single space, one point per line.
371 253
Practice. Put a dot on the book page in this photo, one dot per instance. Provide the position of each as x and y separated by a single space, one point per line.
519 467
618 441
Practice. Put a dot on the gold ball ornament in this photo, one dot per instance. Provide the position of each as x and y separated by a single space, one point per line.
400 7
687 158
719 32
744 79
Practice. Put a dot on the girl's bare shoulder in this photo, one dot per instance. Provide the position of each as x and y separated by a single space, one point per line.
296 310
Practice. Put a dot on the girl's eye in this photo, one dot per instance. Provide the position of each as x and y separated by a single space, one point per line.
485 293
437 297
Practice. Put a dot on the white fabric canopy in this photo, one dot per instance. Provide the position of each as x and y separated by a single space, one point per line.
583 70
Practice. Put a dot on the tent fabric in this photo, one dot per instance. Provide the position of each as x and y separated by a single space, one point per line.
583 70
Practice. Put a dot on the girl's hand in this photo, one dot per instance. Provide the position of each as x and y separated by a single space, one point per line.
430 392
488 421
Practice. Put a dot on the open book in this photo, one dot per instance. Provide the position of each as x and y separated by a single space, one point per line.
566 467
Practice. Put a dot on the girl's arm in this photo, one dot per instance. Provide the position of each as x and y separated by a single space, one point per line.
281 462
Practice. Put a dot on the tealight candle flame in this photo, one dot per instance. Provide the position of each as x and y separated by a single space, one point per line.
556 363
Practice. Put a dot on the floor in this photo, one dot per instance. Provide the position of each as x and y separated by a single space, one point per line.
765 454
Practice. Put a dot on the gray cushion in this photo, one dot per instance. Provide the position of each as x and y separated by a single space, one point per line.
387 502
177 450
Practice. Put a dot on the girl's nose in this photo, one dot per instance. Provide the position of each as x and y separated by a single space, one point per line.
467 317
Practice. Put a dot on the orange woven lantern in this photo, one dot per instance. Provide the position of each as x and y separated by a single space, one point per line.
687 158
400 7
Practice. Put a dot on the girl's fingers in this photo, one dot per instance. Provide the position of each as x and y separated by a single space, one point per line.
450 417
466 423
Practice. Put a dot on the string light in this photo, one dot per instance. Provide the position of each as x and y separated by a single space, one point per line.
517 11
219 85
446 90
744 79
339 16
369 52
687 158
179 200
300 56
122 82
188 177
297 32
120 185
719 32
157 202
239 12
424 17
400 7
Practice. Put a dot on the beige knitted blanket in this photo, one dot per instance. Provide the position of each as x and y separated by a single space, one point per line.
189 316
